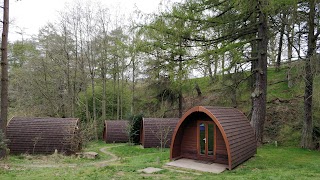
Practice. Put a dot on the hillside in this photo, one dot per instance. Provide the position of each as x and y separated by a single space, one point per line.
284 104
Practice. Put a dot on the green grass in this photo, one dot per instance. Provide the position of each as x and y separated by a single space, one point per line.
58 158
270 163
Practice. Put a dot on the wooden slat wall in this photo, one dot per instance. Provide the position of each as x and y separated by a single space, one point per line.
115 131
178 139
152 126
221 151
42 135
189 141
239 133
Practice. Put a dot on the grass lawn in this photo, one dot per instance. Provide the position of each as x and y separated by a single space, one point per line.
269 163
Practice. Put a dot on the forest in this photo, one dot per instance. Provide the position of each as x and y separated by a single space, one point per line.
260 56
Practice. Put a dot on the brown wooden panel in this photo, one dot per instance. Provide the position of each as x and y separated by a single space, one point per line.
220 145
189 140
116 131
157 130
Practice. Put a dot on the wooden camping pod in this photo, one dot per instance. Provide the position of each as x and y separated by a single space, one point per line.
43 135
216 134
115 131
157 131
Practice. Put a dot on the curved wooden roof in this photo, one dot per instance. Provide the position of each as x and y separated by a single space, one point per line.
115 131
155 129
43 135
235 129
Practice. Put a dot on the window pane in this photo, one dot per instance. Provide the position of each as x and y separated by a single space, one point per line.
202 138
210 139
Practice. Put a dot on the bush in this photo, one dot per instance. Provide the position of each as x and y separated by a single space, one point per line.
3 141
3 145
134 128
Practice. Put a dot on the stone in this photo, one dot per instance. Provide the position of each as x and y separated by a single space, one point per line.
88 155
150 170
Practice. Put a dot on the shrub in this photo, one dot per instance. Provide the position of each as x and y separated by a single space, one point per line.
134 128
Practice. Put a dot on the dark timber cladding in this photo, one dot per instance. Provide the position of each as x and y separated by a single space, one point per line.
43 135
217 134
157 131
115 131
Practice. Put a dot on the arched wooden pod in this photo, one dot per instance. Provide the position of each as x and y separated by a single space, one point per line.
115 131
43 135
233 138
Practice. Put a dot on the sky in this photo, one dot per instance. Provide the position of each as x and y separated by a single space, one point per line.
28 16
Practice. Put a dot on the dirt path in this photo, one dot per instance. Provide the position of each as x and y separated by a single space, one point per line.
44 165
106 162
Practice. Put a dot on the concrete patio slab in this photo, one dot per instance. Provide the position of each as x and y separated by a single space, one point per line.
197 165
150 170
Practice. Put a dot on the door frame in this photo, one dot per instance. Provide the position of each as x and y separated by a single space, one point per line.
206 156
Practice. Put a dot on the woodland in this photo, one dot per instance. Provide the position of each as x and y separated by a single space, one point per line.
260 56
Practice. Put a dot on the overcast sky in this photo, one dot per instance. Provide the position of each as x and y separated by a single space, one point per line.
29 16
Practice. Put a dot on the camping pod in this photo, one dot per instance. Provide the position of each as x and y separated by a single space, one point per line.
115 131
215 134
157 132
43 135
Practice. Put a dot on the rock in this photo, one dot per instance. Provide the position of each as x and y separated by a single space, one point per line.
88 155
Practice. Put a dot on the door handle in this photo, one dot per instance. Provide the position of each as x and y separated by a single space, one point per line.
205 140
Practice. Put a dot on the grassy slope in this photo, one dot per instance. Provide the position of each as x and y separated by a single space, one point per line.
284 104
269 163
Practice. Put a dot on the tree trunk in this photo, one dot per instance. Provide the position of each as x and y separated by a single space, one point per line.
209 68
133 84
306 139
260 73
74 93
83 75
122 91
105 27
198 89
66 110
118 91
216 58
88 116
4 73
180 87
114 89
222 66
283 25
234 88
290 35
94 108
104 91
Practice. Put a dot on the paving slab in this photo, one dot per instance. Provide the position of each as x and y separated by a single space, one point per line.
197 165
150 170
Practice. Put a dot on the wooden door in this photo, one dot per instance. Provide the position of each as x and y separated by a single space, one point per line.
206 140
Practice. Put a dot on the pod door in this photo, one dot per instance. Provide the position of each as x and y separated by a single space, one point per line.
206 140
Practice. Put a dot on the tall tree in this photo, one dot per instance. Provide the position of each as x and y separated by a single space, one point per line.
306 140
4 72
259 94
168 40
117 66
104 21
